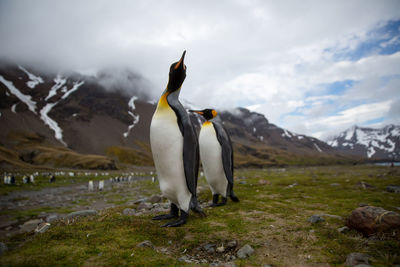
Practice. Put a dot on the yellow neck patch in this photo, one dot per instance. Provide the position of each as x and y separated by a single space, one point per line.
207 123
163 103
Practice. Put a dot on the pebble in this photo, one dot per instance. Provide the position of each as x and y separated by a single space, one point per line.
343 229
81 213
210 248
30 225
316 219
354 259
393 188
144 244
145 206
232 244
43 227
155 199
129 211
221 249
51 218
245 251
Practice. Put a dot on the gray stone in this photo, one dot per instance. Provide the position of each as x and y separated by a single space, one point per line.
145 244
155 199
30 225
232 244
209 248
343 229
354 259
242 182
43 227
331 216
316 219
81 213
185 258
51 218
145 206
220 249
3 248
335 184
245 251
129 211
140 200
393 188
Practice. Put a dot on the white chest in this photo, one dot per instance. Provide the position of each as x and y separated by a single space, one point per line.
167 147
211 158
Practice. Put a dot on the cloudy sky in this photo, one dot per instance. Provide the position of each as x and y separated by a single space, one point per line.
313 67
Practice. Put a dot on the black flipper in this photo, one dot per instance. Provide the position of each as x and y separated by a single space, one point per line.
191 155
227 151
174 213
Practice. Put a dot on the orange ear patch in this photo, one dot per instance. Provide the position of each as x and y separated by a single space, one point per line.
214 113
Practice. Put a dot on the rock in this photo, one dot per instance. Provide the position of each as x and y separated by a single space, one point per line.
354 259
364 185
370 220
3 248
242 182
145 206
129 211
140 200
343 229
362 204
264 182
209 248
185 258
30 225
145 244
43 227
393 188
81 213
335 184
220 249
331 216
155 199
316 219
232 244
51 218
245 251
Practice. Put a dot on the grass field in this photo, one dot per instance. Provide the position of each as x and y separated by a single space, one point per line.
271 217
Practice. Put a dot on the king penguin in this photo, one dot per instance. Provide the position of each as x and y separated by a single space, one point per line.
175 150
216 155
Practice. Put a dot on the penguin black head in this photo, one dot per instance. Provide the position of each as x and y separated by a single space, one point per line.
177 74
208 114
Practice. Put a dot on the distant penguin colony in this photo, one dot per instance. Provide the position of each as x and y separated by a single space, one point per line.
175 150
216 156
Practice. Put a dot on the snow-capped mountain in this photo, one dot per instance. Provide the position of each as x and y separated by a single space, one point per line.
381 143
109 114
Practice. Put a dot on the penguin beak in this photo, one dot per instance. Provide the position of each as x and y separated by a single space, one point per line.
180 62
197 111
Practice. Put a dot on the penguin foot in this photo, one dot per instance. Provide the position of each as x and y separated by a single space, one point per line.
164 217
215 201
174 213
181 221
234 197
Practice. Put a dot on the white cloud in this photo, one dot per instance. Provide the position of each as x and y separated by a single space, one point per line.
271 55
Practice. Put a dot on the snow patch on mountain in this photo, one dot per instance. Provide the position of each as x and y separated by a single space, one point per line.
34 80
27 99
59 82
14 107
317 147
73 89
371 141
131 105
50 122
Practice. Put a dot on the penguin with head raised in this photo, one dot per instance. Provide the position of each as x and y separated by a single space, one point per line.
175 150
216 155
